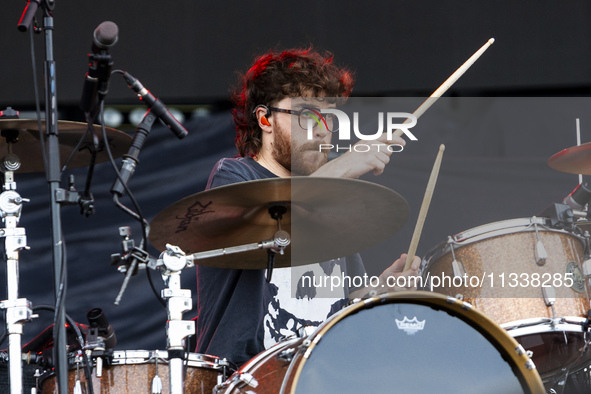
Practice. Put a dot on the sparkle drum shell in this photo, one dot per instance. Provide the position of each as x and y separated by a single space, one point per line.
132 371
386 344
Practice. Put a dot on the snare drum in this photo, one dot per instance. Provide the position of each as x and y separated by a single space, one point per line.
133 371
405 342
527 277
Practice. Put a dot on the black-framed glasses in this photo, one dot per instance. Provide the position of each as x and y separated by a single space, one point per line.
312 116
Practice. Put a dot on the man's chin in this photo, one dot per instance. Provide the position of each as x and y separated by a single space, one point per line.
309 161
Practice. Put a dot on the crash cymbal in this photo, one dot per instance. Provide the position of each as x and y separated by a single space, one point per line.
574 160
327 218
28 146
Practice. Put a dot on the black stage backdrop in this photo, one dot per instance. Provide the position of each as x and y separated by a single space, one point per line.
188 51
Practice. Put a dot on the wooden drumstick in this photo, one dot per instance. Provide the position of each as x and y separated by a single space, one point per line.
414 242
447 84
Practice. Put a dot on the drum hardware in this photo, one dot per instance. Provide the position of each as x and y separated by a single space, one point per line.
37 375
247 380
458 269
287 355
18 310
130 260
100 340
77 384
281 238
561 215
549 295
540 252
305 331
172 262
156 381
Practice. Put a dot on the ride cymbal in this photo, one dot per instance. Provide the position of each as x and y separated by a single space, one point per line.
327 218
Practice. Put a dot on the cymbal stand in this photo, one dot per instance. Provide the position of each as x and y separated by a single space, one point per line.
172 262
18 310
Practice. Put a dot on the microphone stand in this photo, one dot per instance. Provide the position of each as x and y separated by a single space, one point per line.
53 180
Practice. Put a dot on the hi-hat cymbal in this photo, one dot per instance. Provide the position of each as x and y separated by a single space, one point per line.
327 218
574 160
28 147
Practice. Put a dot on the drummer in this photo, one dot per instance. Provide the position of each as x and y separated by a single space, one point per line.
239 313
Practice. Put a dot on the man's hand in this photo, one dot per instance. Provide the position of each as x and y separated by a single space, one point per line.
353 164
390 278
396 270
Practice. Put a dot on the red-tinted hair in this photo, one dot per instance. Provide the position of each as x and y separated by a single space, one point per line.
276 75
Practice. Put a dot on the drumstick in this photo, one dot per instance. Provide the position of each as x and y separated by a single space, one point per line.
414 242
447 84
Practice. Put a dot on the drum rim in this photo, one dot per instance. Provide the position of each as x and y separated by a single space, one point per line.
196 360
492 332
250 366
543 325
492 230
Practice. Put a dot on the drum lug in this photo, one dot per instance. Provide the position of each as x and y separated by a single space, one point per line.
156 385
540 250
457 267
286 355
529 364
248 379
541 253
587 268
549 295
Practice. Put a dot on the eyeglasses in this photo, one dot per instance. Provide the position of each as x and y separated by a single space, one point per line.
307 116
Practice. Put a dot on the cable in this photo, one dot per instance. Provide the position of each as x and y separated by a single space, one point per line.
72 323
136 215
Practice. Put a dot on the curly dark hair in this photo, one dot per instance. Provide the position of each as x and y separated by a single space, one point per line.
276 75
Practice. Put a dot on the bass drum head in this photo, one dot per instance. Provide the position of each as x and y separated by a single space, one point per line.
399 343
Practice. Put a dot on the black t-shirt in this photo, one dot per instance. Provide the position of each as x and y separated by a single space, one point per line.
239 313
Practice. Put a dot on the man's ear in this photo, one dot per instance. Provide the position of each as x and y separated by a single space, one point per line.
263 113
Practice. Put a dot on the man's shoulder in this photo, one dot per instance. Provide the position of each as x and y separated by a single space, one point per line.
233 170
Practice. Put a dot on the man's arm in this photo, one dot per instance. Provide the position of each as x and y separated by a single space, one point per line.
353 164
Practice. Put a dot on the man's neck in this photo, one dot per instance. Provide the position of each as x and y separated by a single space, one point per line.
272 166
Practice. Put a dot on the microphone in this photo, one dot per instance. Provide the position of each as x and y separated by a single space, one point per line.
156 106
96 83
579 197
99 324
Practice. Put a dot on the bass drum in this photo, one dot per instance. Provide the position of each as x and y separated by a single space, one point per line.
407 342
133 371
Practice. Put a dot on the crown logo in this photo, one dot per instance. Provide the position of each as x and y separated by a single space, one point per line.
411 326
